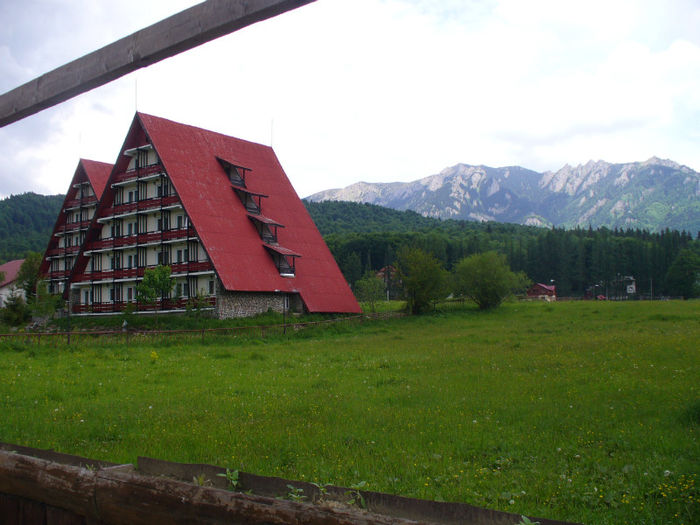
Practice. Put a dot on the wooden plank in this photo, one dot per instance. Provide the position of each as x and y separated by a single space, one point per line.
9 509
178 33
64 486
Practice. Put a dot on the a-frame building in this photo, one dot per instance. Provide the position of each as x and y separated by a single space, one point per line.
68 234
221 213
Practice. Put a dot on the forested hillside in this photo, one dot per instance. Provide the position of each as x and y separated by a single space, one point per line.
366 237
574 259
26 222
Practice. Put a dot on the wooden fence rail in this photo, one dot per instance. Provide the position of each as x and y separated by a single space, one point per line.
39 486
128 336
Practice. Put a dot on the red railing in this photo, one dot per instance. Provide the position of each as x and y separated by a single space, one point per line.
135 174
142 205
76 203
191 267
165 304
59 274
62 251
73 226
132 273
141 238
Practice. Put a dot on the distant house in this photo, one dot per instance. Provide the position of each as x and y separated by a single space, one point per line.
220 212
542 291
9 285
390 277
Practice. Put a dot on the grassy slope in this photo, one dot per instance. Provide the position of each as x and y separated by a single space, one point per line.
571 411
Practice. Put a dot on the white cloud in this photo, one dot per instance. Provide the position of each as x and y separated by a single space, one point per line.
384 90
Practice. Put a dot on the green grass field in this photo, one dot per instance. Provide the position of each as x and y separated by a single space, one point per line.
586 411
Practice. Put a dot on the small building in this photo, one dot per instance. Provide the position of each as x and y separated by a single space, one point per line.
390 277
8 284
545 292
221 213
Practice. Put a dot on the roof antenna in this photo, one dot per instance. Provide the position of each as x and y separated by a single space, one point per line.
136 93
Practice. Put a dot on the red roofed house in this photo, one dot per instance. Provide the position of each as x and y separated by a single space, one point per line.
68 234
8 283
542 291
221 213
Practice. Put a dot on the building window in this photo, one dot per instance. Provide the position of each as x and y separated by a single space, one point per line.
164 257
118 196
192 252
142 255
211 287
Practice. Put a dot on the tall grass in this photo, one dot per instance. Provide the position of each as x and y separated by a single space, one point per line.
576 411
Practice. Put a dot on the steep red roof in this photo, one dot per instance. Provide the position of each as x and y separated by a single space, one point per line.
540 286
10 269
98 173
191 156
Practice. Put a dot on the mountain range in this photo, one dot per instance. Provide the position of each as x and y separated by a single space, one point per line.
652 195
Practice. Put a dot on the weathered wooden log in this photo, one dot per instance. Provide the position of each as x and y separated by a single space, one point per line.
65 486
119 495
185 30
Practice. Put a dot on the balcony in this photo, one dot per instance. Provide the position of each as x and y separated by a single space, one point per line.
118 306
137 273
140 239
68 250
58 274
191 267
131 208
80 202
70 227
141 173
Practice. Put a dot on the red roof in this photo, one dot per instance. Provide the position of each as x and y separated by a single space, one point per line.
189 155
544 287
97 173
10 269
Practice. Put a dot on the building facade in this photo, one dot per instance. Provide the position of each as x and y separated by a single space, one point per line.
69 231
220 212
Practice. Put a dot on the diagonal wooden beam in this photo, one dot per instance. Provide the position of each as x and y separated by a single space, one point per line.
178 33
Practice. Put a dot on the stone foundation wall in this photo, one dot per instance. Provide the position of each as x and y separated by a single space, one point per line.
246 304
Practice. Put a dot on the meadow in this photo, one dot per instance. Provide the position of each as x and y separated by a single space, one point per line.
581 411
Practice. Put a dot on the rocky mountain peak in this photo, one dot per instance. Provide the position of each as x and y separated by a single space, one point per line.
596 193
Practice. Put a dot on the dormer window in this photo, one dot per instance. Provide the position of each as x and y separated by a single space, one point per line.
236 174
267 228
285 259
252 201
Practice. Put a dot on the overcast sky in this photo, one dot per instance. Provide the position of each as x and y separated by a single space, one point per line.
375 90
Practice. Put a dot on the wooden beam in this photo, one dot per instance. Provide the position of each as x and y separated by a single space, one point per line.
189 28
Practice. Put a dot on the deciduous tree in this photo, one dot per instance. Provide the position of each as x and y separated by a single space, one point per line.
369 289
423 277
683 276
486 279
28 275
156 284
